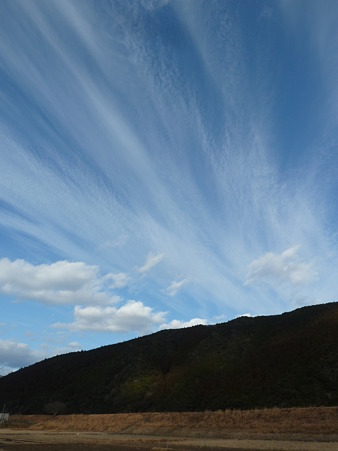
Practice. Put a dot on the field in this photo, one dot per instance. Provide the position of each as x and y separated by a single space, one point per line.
314 428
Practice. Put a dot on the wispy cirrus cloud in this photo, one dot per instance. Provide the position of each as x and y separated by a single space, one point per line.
120 241
120 183
151 261
175 287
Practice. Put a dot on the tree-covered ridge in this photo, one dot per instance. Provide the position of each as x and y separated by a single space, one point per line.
284 360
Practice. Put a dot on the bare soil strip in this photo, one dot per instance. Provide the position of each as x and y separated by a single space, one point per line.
13 440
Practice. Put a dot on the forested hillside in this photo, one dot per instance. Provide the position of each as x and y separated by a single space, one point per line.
286 360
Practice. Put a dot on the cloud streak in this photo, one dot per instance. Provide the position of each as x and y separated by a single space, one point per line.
151 261
175 287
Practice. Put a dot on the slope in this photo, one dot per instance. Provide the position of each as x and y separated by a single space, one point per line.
285 360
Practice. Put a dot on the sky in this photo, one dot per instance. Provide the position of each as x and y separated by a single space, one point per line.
163 163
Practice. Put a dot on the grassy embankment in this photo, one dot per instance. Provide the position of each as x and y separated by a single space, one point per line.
312 420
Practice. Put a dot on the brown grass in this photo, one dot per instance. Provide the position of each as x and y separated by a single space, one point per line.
312 420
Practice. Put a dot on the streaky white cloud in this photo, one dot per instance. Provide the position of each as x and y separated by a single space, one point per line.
134 316
62 282
284 268
152 5
175 287
14 355
151 261
177 324
118 242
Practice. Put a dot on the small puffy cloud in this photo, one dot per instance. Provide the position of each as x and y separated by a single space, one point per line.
119 280
219 318
177 324
72 346
61 282
14 355
284 268
175 287
133 316
151 261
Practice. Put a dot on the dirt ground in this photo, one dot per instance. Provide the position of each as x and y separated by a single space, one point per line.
311 429
13 440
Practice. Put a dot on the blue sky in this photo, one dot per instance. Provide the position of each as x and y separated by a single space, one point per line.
163 163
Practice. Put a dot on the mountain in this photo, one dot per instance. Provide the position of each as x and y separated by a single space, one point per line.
285 360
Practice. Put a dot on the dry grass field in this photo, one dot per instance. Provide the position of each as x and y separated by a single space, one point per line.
296 429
